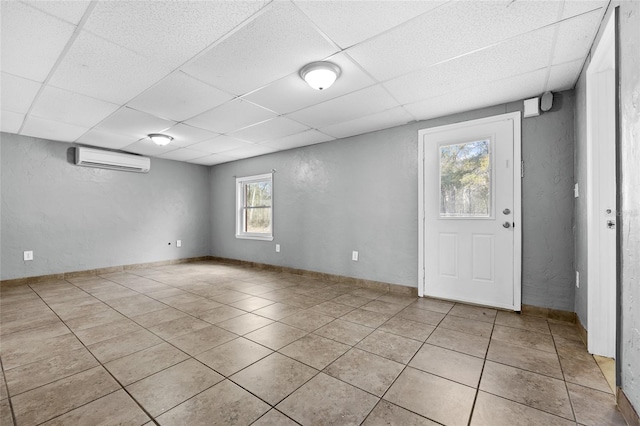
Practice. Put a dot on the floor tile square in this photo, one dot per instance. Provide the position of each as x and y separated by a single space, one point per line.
433 397
233 356
42 372
277 311
524 338
594 408
5 413
223 404
117 408
332 309
458 341
456 366
139 365
43 403
584 371
244 324
351 300
465 325
95 319
123 345
276 335
564 330
151 319
365 370
221 313
421 315
526 322
92 335
274 377
178 327
344 332
327 401
366 318
24 351
251 303
540 362
383 307
476 313
392 346
387 414
308 320
407 328
532 389
164 390
434 305
493 410
314 350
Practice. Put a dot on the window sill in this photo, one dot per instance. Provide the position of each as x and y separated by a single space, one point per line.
254 237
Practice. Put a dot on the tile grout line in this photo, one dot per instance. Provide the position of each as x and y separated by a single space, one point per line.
484 363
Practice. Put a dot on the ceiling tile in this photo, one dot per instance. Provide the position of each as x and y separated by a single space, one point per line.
183 154
516 56
70 11
350 22
292 93
575 37
100 138
219 144
577 7
495 93
179 97
564 76
52 130
17 93
172 32
276 43
310 137
103 70
211 160
382 120
68 107
31 40
146 147
269 130
358 104
231 116
404 49
184 135
249 151
127 121
10 121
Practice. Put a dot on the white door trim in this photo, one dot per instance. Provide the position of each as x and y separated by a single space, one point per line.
517 198
601 294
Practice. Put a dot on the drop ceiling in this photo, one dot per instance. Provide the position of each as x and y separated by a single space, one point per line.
221 77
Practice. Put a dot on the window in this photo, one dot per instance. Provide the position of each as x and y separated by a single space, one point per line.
465 180
254 205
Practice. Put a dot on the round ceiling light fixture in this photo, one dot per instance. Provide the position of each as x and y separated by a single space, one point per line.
160 139
320 75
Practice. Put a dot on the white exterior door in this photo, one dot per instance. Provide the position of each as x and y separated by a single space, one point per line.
471 211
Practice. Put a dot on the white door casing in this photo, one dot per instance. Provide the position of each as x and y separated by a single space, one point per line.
601 197
472 258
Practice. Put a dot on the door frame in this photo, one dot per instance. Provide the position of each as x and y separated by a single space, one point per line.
601 297
423 136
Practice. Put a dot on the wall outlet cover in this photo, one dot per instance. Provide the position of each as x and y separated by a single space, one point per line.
179 243
354 256
28 255
277 248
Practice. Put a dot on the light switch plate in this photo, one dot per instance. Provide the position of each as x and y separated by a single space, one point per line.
28 255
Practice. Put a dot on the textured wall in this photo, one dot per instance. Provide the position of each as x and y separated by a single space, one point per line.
360 193
547 205
78 218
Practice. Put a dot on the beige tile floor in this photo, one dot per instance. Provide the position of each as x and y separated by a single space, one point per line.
213 344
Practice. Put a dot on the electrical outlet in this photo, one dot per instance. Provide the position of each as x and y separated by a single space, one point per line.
277 248
576 191
577 279
28 255
354 256
179 243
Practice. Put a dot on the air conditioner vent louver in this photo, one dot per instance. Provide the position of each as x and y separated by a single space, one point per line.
89 157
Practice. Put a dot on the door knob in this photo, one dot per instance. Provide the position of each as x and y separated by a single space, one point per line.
506 225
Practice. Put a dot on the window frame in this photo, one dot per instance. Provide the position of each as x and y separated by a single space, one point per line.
241 183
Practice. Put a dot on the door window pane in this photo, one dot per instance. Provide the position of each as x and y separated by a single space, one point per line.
465 179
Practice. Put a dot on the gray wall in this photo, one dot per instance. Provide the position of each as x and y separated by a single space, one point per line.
629 71
360 193
78 218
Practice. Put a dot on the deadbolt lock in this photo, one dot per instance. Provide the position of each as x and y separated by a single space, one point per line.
506 211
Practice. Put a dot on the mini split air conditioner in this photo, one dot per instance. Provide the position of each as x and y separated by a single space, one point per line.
89 157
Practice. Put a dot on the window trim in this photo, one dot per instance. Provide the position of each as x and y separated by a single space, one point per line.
240 207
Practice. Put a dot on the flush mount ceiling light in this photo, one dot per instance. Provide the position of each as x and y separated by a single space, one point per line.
160 139
320 75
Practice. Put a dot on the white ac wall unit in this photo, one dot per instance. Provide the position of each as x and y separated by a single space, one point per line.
90 157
